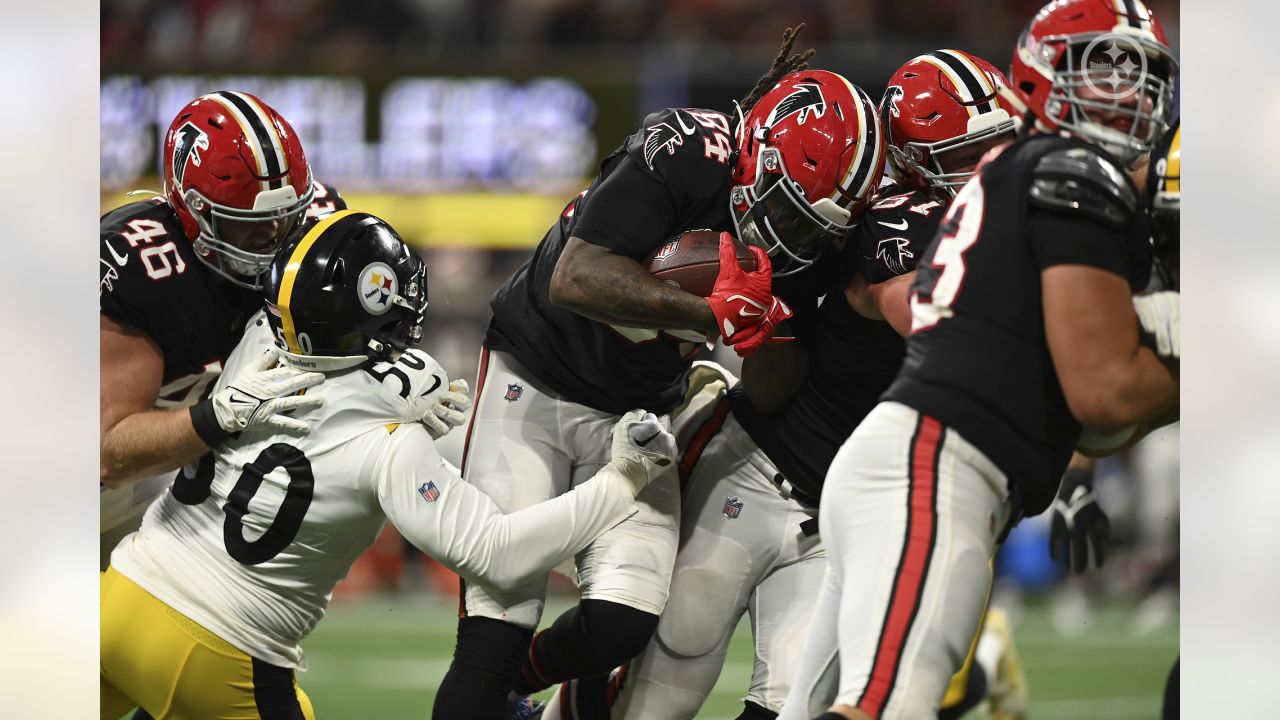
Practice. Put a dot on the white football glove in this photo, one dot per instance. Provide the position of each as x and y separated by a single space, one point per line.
423 392
642 448
258 400
1160 325
449 410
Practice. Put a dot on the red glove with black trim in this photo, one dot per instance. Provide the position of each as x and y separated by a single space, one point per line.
746 311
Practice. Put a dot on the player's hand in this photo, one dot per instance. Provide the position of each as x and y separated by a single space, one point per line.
753 338
1077 521
260 399
642 448
741 300
420 391
1160 327
449 410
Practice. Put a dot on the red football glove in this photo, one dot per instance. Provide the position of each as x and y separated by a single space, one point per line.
741 301
749 341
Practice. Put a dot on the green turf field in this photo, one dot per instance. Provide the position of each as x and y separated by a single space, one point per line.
382 658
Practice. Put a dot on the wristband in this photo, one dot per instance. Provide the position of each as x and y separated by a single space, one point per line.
205 422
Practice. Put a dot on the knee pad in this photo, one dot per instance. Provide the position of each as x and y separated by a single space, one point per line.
704 606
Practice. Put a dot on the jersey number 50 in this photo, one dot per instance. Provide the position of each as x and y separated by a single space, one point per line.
960 229
193 490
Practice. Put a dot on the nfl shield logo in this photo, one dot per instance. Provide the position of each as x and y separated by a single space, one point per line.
732 507
667 250
429 491
513 392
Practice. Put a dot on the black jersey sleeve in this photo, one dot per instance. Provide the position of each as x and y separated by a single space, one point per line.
892 235
326 201
629 212
141 253
1084 211
676 162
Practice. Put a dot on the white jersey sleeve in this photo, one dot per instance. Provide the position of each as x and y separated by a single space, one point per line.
458 525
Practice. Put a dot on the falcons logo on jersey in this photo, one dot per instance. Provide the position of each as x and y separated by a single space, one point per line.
806 100
894 254
658 137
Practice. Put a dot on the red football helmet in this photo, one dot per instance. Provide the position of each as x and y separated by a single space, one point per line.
810 155
235 173
941 112
1099 70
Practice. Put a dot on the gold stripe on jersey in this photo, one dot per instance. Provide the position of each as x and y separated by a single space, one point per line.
1173 164
391 427
291 274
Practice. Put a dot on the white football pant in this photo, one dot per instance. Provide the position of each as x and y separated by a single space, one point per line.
910 517
525 445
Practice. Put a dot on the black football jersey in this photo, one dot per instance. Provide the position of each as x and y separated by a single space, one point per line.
150 279
852 359
670 176
977 358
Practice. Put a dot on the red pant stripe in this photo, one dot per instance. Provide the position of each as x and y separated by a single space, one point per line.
913 565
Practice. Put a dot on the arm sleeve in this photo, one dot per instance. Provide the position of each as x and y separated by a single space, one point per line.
120 289
1059 238
458 525
631 212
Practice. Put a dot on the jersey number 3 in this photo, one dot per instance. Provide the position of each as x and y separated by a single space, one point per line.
960 229
283 529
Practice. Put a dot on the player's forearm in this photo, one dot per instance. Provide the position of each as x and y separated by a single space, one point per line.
528 543
146 444
774 374
617 290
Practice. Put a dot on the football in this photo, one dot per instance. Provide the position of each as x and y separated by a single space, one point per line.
691 261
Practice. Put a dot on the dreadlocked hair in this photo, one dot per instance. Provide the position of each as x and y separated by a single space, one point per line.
784 64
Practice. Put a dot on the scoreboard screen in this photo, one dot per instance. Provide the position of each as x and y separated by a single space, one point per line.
433 135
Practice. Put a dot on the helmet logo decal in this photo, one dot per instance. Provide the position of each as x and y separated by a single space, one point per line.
658 137
806 100
189 141
892 95
377 287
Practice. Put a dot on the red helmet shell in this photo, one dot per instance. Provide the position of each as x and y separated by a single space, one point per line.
939 101
820 135
1044 69
229 155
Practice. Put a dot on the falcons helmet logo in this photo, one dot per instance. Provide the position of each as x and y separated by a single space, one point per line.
658 137
892 95
894 253
186 148
806 100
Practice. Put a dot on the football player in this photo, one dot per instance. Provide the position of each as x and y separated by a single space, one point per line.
234 567
753 472
179 276
583 332
1023 330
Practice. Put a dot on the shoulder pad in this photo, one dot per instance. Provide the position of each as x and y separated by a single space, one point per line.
684 136
1079 179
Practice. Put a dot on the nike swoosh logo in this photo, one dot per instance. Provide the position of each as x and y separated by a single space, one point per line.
120 259
649 439
899 226
688 129
433 387
242 399
743 312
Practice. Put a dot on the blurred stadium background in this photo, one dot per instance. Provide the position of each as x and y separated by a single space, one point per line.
468 125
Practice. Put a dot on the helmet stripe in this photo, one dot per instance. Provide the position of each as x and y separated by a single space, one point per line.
1135 13
276 145
968 80
285 297
842 187
1173 163
253 122
871 154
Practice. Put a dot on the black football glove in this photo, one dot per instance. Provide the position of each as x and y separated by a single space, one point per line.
1077 522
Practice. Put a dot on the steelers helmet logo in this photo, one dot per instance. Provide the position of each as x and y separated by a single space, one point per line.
377 287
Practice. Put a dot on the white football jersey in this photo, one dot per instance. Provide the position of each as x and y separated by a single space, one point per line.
252 539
